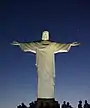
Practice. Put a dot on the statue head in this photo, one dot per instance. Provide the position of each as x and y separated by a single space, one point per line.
45 35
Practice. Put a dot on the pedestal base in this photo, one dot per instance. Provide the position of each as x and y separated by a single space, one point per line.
45 103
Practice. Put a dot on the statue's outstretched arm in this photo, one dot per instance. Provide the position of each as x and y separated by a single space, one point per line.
59 47
26 47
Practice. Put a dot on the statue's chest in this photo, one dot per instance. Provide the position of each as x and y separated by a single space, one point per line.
45 50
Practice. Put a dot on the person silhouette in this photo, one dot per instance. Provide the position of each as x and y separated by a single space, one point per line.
19 106
68 105
64 104
86 105
80 104
32 105
23 105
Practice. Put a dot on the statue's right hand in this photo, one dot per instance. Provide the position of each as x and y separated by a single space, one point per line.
15 43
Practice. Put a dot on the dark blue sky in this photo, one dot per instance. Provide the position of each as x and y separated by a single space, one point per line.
67 21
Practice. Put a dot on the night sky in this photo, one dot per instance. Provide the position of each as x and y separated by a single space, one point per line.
23 21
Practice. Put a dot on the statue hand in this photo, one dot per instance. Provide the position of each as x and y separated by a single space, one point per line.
75 44
15 43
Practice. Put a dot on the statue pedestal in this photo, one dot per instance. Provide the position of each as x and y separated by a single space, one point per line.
45 103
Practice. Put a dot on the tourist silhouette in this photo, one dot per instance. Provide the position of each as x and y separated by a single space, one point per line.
86 105
23 105
58 105
64 104
68 105
19 106
80 104
32 105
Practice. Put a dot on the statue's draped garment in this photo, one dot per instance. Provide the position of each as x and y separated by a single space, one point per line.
45 64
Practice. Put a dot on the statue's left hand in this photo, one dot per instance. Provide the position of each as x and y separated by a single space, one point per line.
15 43
75 44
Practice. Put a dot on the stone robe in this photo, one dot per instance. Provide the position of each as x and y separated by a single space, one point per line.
45 64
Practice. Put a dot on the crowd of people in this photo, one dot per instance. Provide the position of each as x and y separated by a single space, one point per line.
67 105
64 105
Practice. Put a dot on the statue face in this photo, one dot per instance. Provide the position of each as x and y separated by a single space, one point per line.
45 35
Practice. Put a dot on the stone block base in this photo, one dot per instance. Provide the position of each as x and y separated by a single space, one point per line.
45 103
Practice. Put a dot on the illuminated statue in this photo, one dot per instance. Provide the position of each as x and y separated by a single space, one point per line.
45 63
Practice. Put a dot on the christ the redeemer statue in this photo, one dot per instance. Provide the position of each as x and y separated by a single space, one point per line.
45 51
